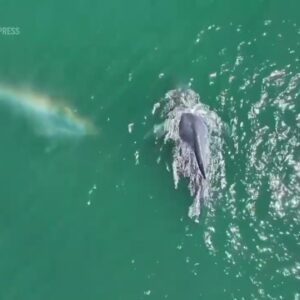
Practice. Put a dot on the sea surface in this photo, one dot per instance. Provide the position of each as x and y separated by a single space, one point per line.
88 204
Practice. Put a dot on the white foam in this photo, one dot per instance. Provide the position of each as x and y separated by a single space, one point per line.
130 127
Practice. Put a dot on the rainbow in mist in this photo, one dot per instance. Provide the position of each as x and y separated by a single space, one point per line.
47 116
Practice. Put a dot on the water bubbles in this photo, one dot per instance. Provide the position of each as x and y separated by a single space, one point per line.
137 157
90 193
267 22
208 239
155 107
179 247
191 82
212 78
239 60
130 76
199 37
130 127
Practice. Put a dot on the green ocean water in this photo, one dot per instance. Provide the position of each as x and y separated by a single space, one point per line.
97 216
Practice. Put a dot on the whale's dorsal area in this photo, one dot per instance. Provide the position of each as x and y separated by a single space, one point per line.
193 131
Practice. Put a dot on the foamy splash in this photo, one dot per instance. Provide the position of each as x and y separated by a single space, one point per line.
175 103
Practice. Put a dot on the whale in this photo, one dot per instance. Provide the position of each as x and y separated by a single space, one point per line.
194 132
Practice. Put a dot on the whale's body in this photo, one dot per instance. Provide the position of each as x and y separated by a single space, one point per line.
193 131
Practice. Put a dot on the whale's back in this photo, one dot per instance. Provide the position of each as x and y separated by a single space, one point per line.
193 131
186 130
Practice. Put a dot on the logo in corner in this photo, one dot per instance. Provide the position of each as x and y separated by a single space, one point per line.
9 31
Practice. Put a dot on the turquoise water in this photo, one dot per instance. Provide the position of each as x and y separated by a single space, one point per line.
96 216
